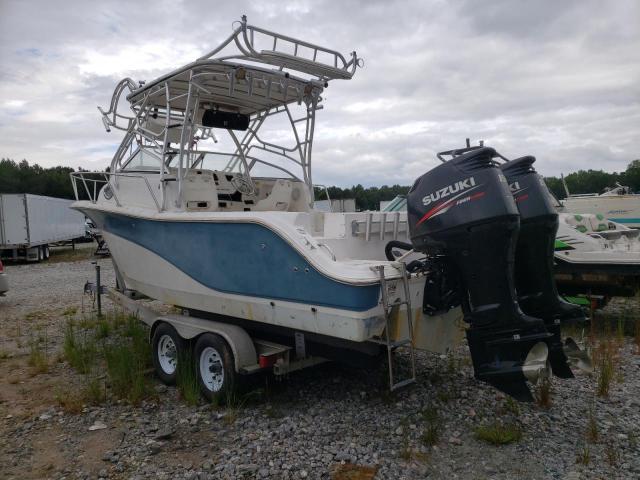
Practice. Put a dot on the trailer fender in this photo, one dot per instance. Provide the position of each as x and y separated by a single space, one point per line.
242 347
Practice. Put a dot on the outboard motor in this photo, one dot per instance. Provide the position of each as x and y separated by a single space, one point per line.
535 284
463 216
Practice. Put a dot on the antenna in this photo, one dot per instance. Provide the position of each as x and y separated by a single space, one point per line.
564 184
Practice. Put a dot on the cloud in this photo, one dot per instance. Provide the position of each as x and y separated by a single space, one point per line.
558 80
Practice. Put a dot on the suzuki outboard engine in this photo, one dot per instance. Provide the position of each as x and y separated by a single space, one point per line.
463 216
535 284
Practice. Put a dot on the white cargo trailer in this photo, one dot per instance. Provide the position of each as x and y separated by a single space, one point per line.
30 223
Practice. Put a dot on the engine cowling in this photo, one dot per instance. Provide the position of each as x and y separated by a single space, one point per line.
535 284
462 214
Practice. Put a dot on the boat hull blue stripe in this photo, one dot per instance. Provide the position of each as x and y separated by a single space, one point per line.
239 258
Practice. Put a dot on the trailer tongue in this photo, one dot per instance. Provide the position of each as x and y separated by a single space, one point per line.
463 216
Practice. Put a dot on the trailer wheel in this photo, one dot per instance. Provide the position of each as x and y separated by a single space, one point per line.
167 346
40 255
45 252
215 366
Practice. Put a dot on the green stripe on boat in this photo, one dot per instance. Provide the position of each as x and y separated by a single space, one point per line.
560 245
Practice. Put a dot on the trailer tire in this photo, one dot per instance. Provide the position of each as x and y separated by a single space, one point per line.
167 348
45 252
215 367
40 254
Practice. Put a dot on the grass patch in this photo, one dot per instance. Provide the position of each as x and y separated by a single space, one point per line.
103 328
116 344
70 402
511 406
606 370
431 433
187 378
612 454
593 431
79 348
95 391
38 360
498 434
70 255
543 393
127 362
584 456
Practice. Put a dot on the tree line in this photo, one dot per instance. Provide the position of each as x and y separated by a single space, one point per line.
21 177
582 181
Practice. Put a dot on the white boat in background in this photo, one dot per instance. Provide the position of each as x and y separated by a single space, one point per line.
617 204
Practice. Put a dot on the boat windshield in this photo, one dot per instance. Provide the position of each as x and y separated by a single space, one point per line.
398 204
145 159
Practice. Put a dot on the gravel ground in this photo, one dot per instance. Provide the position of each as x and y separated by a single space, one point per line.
314 424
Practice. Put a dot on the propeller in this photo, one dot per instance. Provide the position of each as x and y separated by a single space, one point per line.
578 358
536 366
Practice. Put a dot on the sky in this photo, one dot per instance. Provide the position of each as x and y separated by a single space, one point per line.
559 80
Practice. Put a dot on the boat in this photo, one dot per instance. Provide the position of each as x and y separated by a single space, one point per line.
221 224
617 204
597 257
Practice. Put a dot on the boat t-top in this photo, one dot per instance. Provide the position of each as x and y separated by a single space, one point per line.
208 206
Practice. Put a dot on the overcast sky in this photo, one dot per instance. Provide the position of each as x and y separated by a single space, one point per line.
559 80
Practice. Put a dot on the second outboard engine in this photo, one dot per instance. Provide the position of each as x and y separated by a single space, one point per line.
462 215
535 284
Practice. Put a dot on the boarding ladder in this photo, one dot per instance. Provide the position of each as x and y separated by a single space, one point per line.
389 308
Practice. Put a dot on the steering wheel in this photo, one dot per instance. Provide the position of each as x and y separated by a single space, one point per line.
243 184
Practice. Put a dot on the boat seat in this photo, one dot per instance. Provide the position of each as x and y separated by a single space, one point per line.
200 193
278 199
587 222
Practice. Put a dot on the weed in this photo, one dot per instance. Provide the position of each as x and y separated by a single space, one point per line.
431 433
498 434
70 402
606 372
126 365
405 450
4 355
235 402
38 360
70 312
620 328
543 393
612 454
70 255
592 427
94 391
79 352
103 329
584 456
35 315
512 406
187 378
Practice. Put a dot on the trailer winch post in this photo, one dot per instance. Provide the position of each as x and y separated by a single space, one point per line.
98 289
